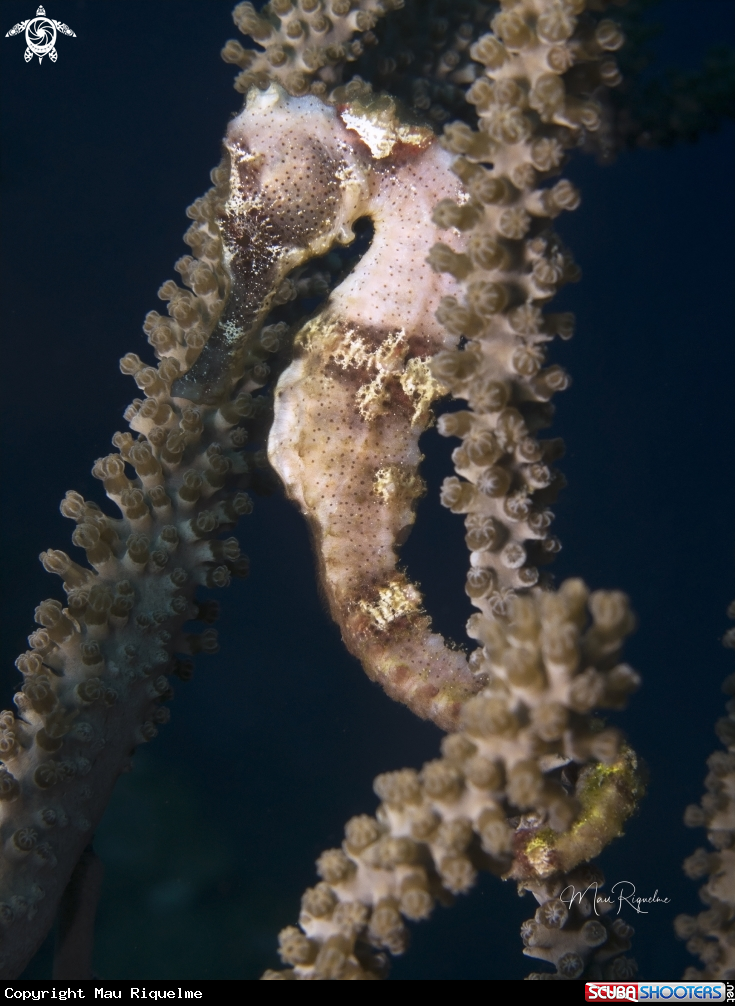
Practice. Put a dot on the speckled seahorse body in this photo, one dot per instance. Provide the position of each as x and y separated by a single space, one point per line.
350 408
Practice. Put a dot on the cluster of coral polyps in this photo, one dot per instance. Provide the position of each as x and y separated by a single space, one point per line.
542 64
98 669
306 42
571 929
421 57
529 788
711 934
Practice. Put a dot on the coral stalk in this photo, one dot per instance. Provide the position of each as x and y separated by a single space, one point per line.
709 935
97 671
527 789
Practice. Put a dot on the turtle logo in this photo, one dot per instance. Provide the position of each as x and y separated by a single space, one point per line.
40 35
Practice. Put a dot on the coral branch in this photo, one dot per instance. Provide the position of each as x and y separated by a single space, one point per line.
571 930
98 670
542 677
531 787
510 265
306 45
709 935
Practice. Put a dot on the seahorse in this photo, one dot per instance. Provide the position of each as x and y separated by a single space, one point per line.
352 404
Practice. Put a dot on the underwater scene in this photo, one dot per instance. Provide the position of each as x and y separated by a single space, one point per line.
212 831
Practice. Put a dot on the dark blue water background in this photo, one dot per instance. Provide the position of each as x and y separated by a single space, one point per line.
273 745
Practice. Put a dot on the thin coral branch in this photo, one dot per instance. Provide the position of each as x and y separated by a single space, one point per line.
709 935
97 671
515 793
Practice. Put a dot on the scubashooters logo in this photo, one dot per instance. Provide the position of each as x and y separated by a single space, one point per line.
657 991
40 35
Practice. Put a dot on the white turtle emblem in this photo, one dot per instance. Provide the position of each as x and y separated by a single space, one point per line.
40 35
